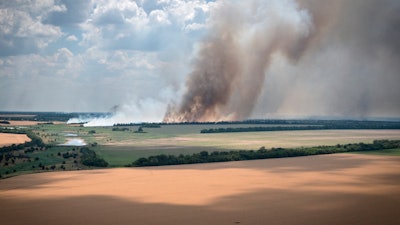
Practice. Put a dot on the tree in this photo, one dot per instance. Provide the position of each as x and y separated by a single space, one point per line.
204 154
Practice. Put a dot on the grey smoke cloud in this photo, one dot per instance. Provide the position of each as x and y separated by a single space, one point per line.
295 58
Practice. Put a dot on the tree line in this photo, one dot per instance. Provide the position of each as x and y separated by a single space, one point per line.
326 125
258 129
146 125
262 153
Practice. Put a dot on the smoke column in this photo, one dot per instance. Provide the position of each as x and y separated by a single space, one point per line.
233 59
245 37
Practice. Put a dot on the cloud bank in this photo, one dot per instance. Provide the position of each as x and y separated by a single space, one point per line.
198 60
91 55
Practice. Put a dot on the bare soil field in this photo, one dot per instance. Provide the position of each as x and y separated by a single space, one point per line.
9 139
325 189
20 123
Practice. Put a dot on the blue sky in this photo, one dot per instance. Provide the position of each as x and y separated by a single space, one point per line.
326 58
91 55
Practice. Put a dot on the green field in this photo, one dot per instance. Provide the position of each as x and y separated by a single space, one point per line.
46 158
388 152
120 148
124 144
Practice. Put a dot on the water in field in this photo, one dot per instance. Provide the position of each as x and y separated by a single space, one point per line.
74 142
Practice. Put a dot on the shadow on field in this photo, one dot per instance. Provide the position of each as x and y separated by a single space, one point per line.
37 181
29 182
256 208
320 163
306 190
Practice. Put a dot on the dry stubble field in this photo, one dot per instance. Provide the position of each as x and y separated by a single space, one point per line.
325 189
9 139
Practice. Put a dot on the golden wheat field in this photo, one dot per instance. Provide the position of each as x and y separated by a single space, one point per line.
325 189
9 139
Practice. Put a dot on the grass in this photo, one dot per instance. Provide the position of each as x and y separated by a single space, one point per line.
386 152
119 148
46 158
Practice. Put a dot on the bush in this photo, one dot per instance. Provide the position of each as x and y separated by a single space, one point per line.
89 158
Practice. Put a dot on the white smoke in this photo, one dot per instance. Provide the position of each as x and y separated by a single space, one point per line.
145 110
79 120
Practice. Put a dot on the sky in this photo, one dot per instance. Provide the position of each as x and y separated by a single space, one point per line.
144 60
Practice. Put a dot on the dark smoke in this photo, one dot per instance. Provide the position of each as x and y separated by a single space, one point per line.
340 50
211 83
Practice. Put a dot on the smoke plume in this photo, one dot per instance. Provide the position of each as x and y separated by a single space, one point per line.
327 57
144 110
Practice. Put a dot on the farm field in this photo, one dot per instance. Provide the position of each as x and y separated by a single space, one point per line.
192 143
120 146
28 122
9 139
123 147
325 189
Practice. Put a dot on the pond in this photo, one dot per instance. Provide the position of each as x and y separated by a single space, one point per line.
74 142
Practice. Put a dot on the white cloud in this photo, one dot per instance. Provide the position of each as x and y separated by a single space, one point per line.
72 38
194 26
21 28
126 24
68 12
127 49
187 12
159 16
130 60
63 63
